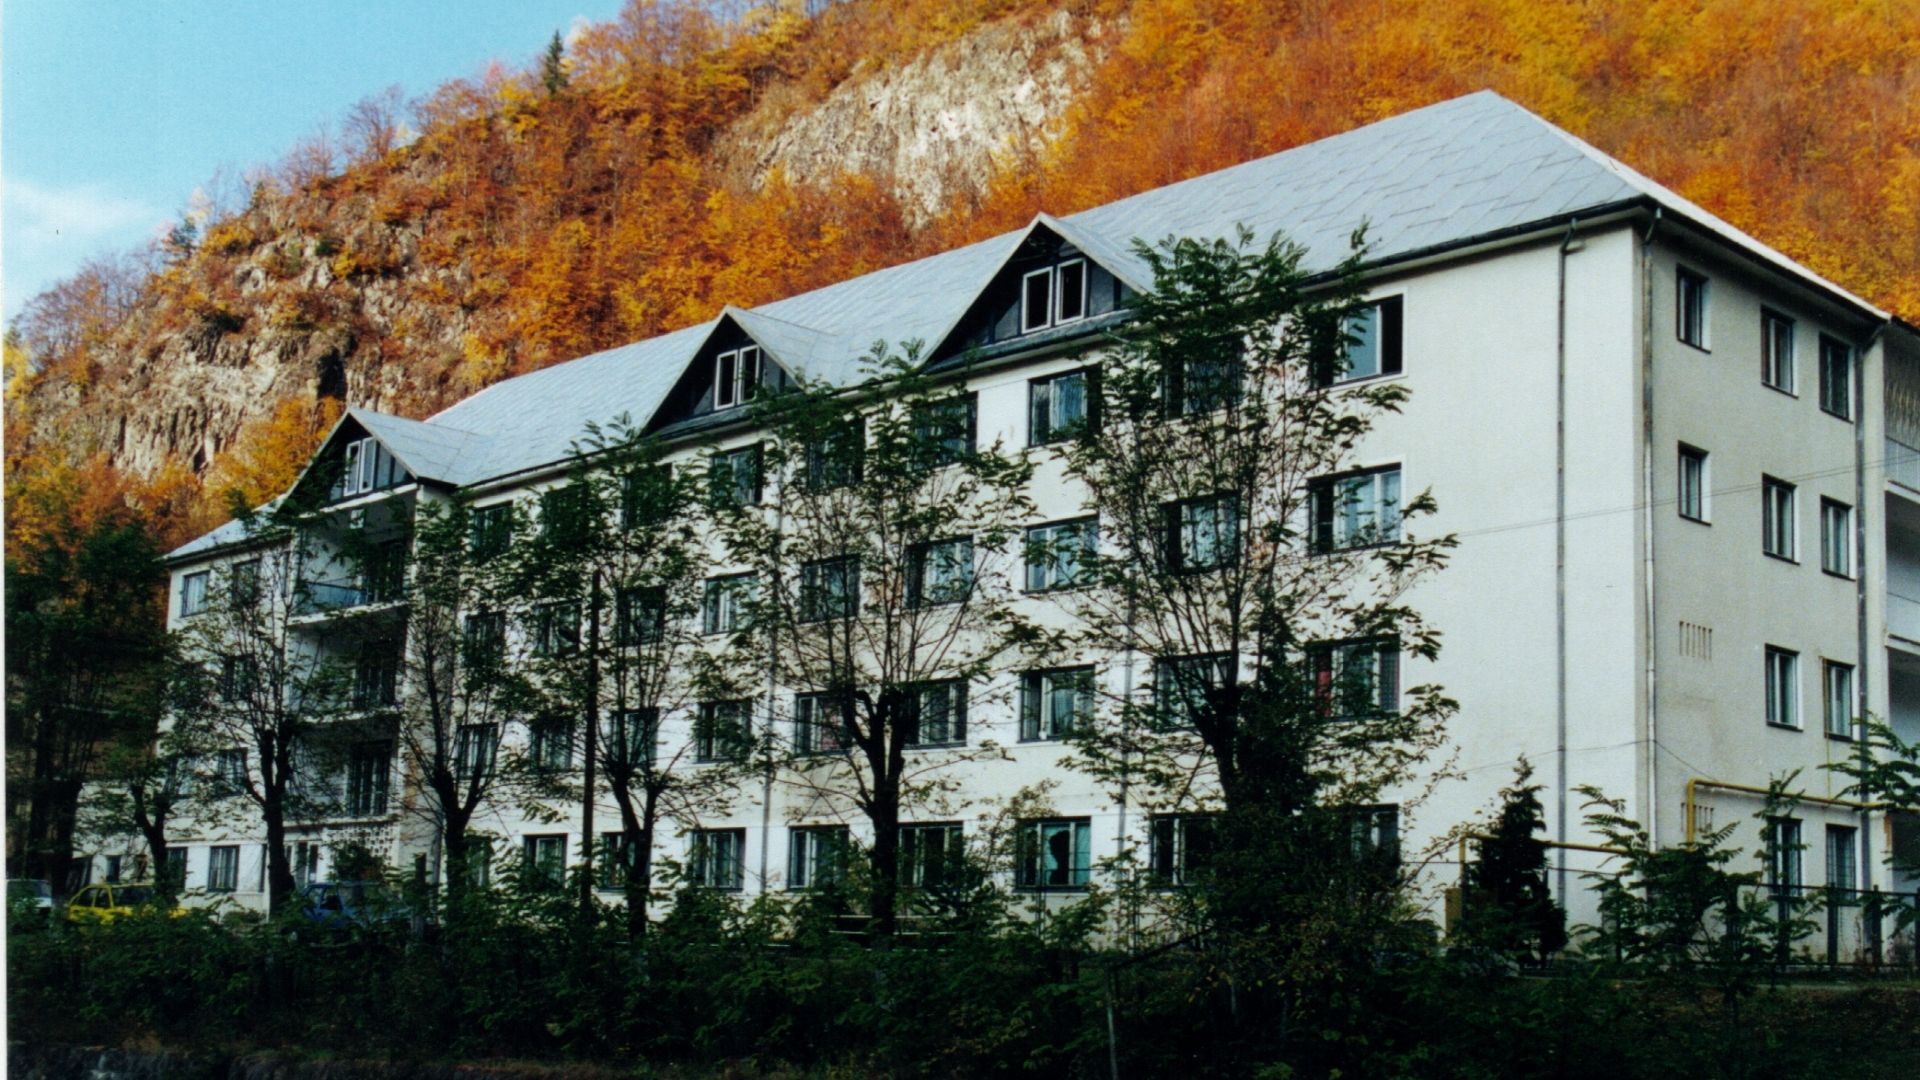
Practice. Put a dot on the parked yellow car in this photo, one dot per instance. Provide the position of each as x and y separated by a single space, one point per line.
105 903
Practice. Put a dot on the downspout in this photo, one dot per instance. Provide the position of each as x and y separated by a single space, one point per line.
1863 748
766 782
1562 767
1652 795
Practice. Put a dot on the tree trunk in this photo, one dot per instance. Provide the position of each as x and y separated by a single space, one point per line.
279 874
884 813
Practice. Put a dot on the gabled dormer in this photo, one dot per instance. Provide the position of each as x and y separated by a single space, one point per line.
368 452
1054 281
744 354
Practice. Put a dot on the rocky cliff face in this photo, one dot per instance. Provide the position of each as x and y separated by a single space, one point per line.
344 290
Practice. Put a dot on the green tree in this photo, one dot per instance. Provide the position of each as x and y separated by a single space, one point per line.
1508 905
553 69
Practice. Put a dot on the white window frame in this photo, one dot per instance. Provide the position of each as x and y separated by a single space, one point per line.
1778 511
1829 347
1783 687
1040 695
719 724
1777 368
1032 872
1843 861
1054 563
721 606
1837 698
1836 537
223 868
706 848
812 734
1055 291
1358 509
193 592
1044 425
736 373
914 861
1693 484
943 572
954 729
817 855
1693 304
533 846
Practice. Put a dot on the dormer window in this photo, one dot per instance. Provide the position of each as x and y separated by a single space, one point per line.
366 466
1053 295
735 374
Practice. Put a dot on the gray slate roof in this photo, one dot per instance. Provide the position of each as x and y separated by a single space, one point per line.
1425 180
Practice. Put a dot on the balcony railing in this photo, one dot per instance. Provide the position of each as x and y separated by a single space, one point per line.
1903 464
1903 616
323 597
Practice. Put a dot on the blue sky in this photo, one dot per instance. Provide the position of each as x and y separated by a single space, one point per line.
113 111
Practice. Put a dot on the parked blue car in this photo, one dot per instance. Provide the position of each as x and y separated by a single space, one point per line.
342 905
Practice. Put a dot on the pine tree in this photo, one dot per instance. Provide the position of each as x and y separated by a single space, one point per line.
553 72
1509 906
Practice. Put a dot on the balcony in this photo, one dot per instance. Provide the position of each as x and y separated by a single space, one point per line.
332 597
1903 617
1903 465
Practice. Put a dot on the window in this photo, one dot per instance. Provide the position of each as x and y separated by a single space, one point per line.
1373 342
176 867
1690 294
717 858
1356 511
720 732
1836 538
376 675
636 735
563 514
1059 555
931 855
817 856
1201 385
819 723
617 854
113 869
829 589
1776 350
489 530
836 460
474 749
1374 836
647 497
936 714
1836 695
1053 295
1777 534
1784 874
943 431
941 572
1836 377
727 603
1202 534
243 584
1060 407
545 862
229 771
1183 684
369 773
1178 846
193 592
1783 687
556 628
1054 854
1054 703
478 866
223 868
239 678
640 615
736 373
1843 865
1693 483
550 743
1357 678
484 643
733 477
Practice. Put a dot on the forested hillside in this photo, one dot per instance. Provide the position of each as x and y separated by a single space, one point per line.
673 161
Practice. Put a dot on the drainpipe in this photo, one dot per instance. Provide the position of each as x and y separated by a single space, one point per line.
1652 795
1863 750
1567 246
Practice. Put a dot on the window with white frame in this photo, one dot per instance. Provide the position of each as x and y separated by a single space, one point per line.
829 589
1373 342
1836 693
1693 483
475 746
223 868
936 713
1053 295
1357 510
720 731
489 530
229 771
940 572
819 722
1836 537
728 602
1060 407
1183 685
733 477
736 374
945 431
640 615
1836 377
556 628
817 856
483 641
1053 704
617 854
1179 845
717 859
1058 555
1203 533
1843 863
837 459
1197 385
1783 687
1776 350
1778 536
550 743
1690 303
545 860
193 592
369 776
376 674
636 736
931 855
1055 853
1784 873
1353 679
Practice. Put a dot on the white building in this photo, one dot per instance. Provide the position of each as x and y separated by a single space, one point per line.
1677 463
